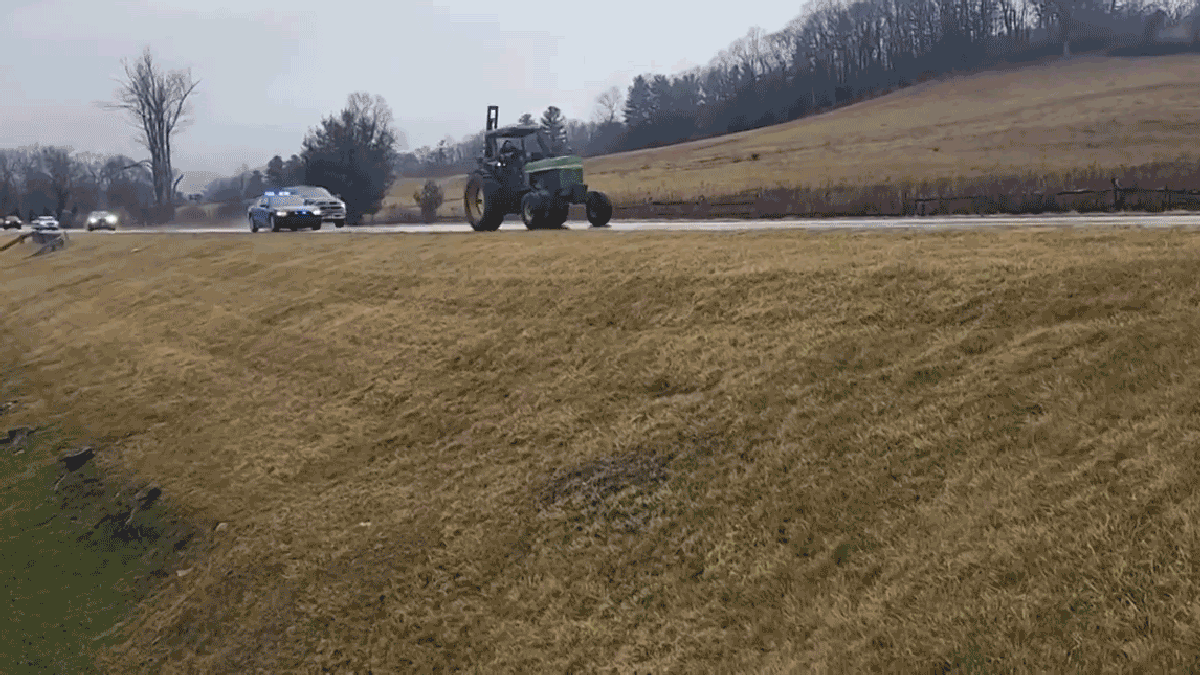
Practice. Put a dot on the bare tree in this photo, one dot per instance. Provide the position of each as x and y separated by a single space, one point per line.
781 48
608 104
9 187
63 171
157 104
90 166
578 136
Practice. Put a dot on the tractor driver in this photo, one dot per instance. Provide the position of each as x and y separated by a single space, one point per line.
509 153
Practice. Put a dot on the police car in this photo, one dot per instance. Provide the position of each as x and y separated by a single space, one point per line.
282 210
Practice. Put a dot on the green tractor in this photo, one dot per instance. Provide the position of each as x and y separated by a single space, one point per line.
519 172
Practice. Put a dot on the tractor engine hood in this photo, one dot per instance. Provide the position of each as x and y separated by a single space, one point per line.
564 162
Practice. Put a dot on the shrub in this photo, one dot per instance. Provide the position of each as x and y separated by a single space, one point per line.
192 214
160 214
231 210
429 199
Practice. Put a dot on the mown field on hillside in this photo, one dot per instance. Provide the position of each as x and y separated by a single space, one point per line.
776 452
1106 112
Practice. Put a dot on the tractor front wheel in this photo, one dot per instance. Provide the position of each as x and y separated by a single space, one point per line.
599 209
482 205
557 216
533 211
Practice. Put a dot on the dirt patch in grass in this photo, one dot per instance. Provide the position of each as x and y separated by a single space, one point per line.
591 482
556 451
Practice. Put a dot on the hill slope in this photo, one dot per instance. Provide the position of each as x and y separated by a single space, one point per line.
1061 115
579 451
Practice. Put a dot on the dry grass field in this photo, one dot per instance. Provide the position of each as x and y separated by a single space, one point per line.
776 452
1106 112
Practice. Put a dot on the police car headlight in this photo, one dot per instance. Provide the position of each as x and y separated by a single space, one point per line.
281 213
316 212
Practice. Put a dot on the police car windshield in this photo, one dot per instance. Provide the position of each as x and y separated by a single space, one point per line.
316 192
287 200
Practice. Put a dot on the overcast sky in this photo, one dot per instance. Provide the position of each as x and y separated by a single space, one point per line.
270 70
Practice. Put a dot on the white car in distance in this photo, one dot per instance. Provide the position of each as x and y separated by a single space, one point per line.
333 208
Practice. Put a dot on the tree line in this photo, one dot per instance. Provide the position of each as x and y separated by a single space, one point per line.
352 154
451 157
56 181
837 52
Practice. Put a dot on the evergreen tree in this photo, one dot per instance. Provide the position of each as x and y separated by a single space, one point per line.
553 123
275 174
660 96
254 186
353 153
293 171
639 104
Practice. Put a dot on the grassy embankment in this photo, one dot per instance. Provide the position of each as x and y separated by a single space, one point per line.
1090 117
601 452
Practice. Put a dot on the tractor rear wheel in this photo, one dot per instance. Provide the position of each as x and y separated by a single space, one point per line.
599 209
481 203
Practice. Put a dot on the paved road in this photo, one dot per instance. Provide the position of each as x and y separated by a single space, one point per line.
513 223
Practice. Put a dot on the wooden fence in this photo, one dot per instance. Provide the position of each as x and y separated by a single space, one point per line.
1113 199
890 202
